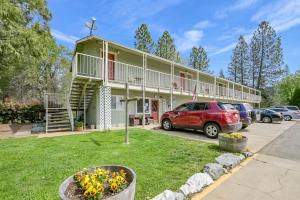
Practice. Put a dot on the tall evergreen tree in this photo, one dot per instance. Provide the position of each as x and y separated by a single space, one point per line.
266 56
221 74
199 60
165 47
143 40
240 62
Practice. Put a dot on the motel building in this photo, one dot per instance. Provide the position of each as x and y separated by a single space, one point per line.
100 71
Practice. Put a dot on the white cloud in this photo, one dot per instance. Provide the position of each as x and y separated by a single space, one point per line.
236 6
63 37
203 24
188 40
129 12
282 15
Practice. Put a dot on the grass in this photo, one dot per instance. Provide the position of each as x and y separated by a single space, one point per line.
32 168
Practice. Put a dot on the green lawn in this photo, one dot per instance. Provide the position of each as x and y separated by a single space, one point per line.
32 168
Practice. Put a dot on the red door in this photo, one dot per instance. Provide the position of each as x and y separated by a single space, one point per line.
181 115
154 109
111 66
182 80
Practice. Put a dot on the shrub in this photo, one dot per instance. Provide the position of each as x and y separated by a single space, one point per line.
78 124
16 112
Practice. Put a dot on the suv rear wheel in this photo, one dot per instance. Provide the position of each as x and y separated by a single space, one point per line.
267 120
166 125
211 130
287 118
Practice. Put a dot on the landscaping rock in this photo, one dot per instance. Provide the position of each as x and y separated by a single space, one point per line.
247 154
214 170
169 195
229 160
196 183
38 129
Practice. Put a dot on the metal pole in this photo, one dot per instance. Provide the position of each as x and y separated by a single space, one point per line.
144 77
215 88
171 89
126 113
84 102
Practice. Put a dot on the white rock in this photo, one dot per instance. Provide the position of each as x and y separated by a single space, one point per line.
214 170
196 183
169 195
229 160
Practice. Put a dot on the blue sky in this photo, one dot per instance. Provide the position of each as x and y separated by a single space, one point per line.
213 24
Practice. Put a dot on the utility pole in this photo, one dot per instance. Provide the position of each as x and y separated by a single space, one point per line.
127 100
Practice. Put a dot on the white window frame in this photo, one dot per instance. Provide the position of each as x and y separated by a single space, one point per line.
118 108
136 106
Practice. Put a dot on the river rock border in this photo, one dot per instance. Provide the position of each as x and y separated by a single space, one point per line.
211 171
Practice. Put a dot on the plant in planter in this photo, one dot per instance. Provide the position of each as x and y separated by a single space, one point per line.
105 182
234 142
79 126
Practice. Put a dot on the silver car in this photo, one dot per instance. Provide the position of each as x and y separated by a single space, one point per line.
287 114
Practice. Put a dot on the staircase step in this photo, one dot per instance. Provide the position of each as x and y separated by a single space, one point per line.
59 130
51 126
59 122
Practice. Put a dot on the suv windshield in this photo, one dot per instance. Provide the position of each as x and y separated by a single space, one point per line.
226 106
248 106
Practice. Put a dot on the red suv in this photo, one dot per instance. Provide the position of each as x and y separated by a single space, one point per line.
211 117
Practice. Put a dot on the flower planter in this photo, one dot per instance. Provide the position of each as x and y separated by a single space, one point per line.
236 145
126 194
79 128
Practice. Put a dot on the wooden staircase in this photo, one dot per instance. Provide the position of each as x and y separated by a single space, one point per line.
58 120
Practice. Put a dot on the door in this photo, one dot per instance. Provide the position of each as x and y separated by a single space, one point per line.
111 66
181 115
182 80
198 115
154 110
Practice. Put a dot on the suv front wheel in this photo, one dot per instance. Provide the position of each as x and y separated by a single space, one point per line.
166 124
211 130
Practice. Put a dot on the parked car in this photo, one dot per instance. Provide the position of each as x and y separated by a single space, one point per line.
268 116
292 108
247 113
211 117
287 114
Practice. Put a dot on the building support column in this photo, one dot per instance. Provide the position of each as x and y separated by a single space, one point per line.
233 91
197 85
171 89
106 64
215 88
84 109
228 90
144 83
242 93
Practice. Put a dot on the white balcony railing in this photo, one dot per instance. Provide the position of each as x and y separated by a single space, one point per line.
91 66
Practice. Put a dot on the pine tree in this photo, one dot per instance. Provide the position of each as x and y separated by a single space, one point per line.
199 60
238 69
221 74
143 40
165 47
266 56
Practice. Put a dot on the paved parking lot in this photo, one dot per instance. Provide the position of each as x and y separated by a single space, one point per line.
259 134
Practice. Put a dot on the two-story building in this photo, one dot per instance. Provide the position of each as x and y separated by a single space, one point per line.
100 71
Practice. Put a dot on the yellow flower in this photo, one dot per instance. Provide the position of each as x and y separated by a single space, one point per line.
114 186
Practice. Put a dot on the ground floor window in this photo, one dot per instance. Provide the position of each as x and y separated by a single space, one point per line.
116 103
139 106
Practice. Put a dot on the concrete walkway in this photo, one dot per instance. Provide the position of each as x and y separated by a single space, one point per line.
273 174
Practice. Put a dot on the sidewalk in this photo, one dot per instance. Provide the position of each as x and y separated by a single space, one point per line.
273 174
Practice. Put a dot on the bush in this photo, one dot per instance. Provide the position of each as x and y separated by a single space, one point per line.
78 124
16 112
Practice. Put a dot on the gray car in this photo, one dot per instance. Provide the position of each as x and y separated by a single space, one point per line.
287 114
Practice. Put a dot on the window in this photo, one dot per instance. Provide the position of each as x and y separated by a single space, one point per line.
238 107
116 103
139 106
200 106
226 106
184 107
292 108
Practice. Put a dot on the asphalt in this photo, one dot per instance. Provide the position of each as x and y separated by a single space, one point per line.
274 173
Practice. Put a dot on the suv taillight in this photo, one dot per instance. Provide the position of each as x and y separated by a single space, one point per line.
228 117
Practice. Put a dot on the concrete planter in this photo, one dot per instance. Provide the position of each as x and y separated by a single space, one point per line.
233 144
127 194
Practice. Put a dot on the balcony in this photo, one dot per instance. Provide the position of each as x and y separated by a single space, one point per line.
93 67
